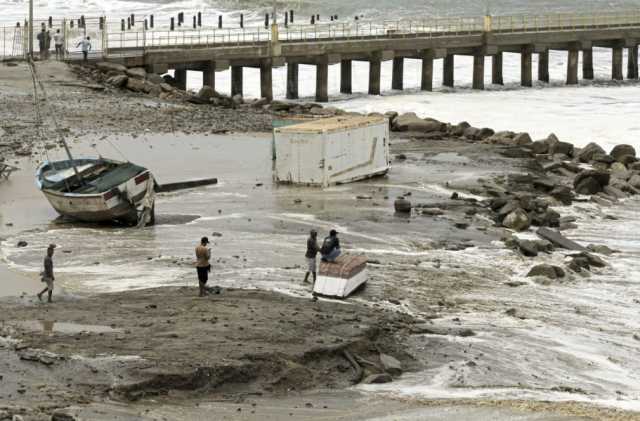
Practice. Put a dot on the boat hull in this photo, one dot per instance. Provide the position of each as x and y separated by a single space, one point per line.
105 207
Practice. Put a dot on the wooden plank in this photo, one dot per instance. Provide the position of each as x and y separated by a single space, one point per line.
182 185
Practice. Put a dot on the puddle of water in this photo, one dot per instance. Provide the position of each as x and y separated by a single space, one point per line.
48 326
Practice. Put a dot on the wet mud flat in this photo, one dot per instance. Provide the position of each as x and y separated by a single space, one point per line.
166 343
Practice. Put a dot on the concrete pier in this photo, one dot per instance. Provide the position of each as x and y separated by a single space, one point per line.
266 82
526 72
322 80
426 76
448 70
572 66
543 66
375 70
346 69
616 63
292 80
478 71
209 75
587 63
496 69
397 77
236 80
181 78
632 62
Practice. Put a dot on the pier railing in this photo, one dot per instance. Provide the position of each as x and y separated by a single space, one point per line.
107 40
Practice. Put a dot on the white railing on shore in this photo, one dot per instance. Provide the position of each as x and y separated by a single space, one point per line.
109 41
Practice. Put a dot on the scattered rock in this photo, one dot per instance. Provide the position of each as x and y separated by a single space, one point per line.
22 243
111 67
410 122
391 365
620 151
118 81
559 240
402 205
522 139
591 181
517 220
600 249
137 72
587 153
378 378
548 271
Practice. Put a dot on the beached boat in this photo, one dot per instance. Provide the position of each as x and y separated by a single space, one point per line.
341 278
98 190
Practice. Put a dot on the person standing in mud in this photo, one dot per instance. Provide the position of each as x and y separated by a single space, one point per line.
203 267
86 47
47 274
312 252
47 45
330 247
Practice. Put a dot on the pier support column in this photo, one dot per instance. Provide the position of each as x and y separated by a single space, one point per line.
616 64
236 80
292 80
587 63
375 68
345 76
632 63
426 79
572 67
397 77
181 79
478 72
266 82
447 70
543 66
526 76
209 75
322 81
496 69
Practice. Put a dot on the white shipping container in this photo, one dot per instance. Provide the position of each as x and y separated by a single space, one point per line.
332 150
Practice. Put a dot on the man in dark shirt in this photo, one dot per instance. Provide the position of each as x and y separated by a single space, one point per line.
42 42
47 274
330 247
312 252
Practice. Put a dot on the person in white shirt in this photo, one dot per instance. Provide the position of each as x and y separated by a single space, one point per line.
59 41
86 47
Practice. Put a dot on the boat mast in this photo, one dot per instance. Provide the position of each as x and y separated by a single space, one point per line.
73 163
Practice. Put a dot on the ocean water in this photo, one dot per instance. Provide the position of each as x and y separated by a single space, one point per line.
576 338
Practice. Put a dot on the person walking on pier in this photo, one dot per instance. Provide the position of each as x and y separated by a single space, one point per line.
312 252
203 267
86 47
47 274
42 43
330 249
58 41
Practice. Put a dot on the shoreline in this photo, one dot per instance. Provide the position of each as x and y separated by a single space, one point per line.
15 284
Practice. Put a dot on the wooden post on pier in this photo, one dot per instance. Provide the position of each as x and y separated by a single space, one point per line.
496 69
526 76
616 63
209 75
292 80
397 76
322 80
426 76
266 79
375 71
448 70
236 80
478 71
543 66
587 63
181 79
572 66
346 69
632 62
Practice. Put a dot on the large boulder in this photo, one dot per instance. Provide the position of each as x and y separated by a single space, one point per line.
106 67
620 151
458 129
137 72
547 271
635 181
155 78
561 148
472 133
540 147
391 365
206 93
591 181
522 139
587 153
563 194
136 84
517 220
410 122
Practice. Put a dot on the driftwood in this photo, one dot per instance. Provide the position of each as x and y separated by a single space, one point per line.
6 170
355 365
181 185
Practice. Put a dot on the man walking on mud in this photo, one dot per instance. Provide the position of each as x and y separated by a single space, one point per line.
47 274
59 40
312 252
203 267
